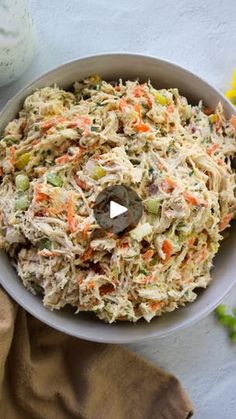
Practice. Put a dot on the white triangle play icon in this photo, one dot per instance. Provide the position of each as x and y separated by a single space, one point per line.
116 209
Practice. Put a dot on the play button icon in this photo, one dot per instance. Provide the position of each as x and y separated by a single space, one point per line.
118 209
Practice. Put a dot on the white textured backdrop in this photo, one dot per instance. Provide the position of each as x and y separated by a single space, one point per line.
200 35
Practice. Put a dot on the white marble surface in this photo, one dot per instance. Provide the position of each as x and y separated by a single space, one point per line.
201 36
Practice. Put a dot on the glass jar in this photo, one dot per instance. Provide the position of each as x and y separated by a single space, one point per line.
17 39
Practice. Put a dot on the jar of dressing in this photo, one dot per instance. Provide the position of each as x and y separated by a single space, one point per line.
17 39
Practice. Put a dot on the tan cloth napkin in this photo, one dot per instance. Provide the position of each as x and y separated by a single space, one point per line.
45 374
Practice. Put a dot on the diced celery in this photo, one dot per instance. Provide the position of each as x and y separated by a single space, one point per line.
221 310
45 244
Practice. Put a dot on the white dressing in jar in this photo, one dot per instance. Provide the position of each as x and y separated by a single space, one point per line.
17 39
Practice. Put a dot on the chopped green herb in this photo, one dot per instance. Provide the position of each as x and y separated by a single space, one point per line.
143 271
45 244
154 261
221 310
94 128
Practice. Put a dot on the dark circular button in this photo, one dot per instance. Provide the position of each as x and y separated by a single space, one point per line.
118 209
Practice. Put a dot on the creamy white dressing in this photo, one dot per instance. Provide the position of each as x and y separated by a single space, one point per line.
17 39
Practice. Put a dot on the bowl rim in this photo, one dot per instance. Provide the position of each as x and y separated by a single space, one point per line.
48 319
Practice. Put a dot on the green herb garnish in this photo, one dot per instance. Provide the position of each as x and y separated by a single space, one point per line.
45 244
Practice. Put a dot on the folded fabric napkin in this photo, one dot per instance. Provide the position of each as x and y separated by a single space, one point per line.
45 374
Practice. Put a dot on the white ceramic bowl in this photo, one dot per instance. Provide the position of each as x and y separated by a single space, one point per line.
162 74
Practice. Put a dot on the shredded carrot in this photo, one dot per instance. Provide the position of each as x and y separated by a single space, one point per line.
54 210
190 198
167 248
142 127
168 185
106 289
40 196
149 100
81 121
218 124
80 280
225 221
48 124
12 157
212 149
138 90
87 254
70 214
78 155
63 159
81 184
202 254
233 121
148 254
85 231
52 122
1 172
123 103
